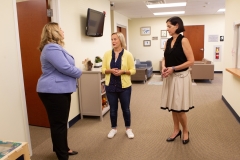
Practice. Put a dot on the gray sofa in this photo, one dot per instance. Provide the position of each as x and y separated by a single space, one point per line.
141 75
144 70
145 64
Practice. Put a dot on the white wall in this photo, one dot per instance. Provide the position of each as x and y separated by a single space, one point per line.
13 114
231 83
214 25
73 17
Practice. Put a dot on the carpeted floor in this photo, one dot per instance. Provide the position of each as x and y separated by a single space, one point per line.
214 131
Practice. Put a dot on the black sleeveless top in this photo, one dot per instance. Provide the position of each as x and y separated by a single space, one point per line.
175 56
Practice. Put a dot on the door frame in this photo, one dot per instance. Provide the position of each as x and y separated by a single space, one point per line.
22 91
55 5
122 26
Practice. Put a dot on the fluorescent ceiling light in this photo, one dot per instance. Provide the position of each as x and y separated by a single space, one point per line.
167 13
167 5
221 10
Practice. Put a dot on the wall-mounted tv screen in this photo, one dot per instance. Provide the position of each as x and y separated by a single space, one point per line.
95 23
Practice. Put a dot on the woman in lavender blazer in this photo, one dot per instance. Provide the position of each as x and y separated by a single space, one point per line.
56 84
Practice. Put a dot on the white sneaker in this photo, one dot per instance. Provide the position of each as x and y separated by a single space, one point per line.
112 133
129 133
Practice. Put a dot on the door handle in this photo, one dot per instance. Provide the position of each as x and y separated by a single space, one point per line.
202 49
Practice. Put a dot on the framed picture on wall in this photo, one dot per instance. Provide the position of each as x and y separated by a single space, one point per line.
145 31
163 41
221 38
163 33
146 43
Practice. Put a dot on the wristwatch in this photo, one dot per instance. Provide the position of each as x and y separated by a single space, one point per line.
173 67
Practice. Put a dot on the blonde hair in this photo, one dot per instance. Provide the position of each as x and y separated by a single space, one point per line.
121 38
50 34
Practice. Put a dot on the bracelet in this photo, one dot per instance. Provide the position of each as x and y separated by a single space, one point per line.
173 67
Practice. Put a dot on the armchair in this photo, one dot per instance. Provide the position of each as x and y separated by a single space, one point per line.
145 64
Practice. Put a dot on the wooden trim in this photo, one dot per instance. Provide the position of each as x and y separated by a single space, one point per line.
234 71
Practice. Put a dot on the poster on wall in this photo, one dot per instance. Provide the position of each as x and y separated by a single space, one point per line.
221 38
212 38
217 53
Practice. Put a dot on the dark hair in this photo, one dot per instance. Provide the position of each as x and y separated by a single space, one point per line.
177 20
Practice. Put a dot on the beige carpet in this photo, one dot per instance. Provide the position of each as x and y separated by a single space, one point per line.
214 131
155 80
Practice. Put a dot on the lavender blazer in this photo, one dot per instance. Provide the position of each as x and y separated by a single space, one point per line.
59 73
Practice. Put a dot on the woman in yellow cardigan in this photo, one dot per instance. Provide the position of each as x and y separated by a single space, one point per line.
118 66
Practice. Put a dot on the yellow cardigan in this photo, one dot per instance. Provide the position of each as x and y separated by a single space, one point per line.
127 65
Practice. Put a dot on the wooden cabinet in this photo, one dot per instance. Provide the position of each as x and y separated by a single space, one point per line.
92 93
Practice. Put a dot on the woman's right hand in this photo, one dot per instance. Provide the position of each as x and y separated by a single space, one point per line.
167 71
164 69
115 71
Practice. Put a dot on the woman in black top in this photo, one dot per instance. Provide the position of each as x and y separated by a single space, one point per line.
177 83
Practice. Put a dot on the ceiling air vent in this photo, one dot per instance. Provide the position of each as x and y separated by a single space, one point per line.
155 2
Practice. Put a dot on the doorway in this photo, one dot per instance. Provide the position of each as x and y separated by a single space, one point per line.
123 30
195 35
32 16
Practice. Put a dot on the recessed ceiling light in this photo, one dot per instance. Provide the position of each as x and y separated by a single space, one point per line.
167 5
221 10
168 13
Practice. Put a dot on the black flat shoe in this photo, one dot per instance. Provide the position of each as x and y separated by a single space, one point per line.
172 139
186 141
72 153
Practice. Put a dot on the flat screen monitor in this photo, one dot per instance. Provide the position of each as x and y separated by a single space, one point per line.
95 23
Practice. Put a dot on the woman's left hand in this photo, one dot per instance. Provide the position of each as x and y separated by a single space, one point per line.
167 72
118 72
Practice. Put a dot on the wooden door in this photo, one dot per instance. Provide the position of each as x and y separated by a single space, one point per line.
32 16
123 31
195 35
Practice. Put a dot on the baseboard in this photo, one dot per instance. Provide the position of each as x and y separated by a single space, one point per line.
74 120
156 71
231 109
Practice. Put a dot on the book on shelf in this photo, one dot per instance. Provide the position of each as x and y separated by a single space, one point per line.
102 87
104 101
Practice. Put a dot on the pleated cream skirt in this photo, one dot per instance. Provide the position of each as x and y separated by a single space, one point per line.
177 92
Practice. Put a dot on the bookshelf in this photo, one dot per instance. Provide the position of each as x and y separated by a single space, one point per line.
92 93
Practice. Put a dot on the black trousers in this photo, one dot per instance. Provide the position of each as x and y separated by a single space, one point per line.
57 107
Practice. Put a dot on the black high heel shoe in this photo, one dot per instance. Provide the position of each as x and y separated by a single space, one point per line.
172 139
72 153
186 141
